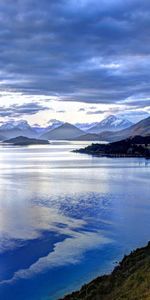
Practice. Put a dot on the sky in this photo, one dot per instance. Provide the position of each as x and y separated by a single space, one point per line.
74 60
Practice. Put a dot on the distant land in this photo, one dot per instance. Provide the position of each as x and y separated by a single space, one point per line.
87 137
129 280
24 141
137 146
112 123
12 129
63 132
141 128
112 128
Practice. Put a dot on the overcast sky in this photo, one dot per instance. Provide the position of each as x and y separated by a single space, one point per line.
74 60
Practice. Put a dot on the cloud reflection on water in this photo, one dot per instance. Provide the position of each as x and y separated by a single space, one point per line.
32 222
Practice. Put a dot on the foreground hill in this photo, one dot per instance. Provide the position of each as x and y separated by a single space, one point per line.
112 123
141 128
132 147
24 141
130 280
63 132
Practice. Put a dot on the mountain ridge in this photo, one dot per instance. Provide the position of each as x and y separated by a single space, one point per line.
63 132
140 128
112 123
59 130
13 129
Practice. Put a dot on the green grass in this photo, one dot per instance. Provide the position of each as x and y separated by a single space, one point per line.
130 280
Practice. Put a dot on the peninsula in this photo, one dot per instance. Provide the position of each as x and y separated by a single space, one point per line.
137 146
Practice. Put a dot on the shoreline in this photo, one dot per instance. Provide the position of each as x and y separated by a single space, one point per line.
110 155
137 146
130 280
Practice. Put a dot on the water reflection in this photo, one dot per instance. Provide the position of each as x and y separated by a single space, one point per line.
62 212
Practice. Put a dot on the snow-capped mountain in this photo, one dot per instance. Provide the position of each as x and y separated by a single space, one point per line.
21 124
53 124
111 123
141 128
60 129
85 126
13 128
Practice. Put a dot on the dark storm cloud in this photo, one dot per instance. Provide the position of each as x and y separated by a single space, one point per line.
88 51
19 110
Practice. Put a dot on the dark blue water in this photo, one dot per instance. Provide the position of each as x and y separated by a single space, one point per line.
66 218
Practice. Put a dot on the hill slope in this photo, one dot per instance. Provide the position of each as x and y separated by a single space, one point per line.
141 128
63 132
87 137
112 123
137 146
130 280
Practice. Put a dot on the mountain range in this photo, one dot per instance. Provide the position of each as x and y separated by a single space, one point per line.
53 124
63 132
86 126
141 128
112 123
110 129
13 129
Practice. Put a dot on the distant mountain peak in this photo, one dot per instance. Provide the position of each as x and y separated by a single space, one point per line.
14 128
111 123
12 124
85 126
66 124
142 128
64 132
111 117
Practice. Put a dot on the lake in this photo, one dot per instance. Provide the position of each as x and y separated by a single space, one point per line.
66 218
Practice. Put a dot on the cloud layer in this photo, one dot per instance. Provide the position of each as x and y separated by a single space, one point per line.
83 50
20 110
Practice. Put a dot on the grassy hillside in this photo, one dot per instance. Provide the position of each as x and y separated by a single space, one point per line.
130 280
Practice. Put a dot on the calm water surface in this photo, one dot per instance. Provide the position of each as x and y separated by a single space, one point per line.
66 218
